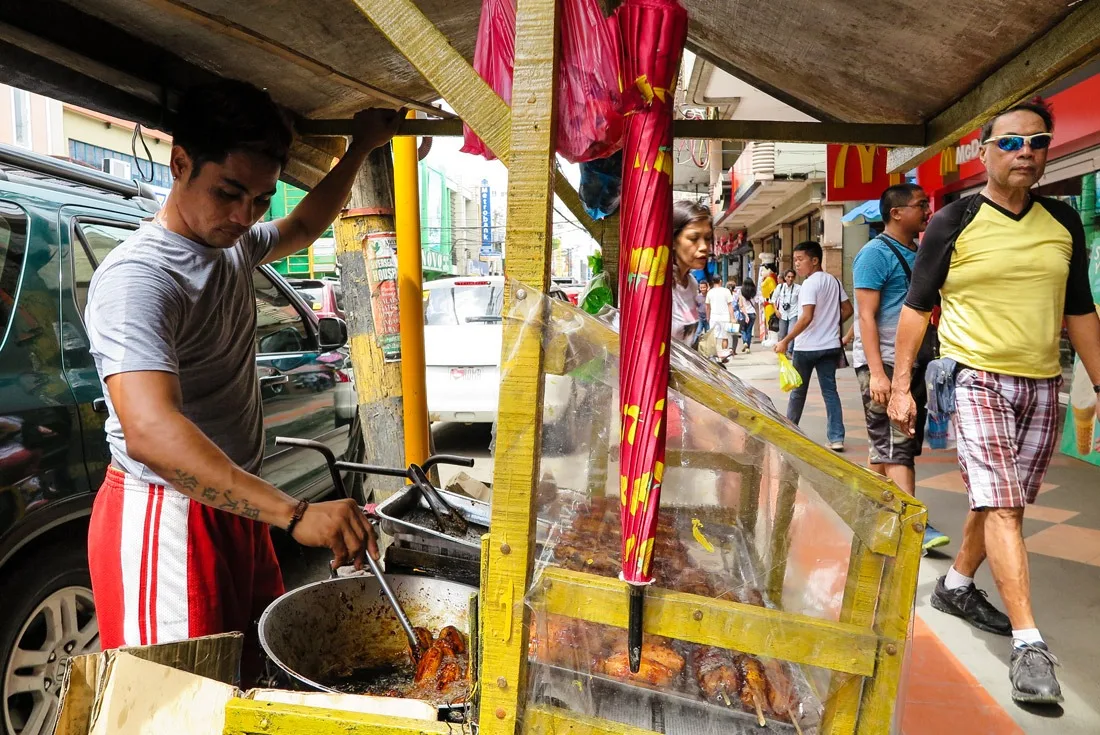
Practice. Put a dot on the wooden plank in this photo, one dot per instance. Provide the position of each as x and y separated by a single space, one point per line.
547 720
435 128
429 51
782 131
229 29
752 479
861 591
246 717
892 619
1059 51
757 630
772 130
533 129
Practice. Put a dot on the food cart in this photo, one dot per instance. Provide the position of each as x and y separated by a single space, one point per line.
773 507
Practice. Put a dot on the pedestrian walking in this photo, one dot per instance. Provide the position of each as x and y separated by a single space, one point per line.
692 235
701 309
881 274
1007 266
765 303
179 543
720 304
746 309
786 305
823 307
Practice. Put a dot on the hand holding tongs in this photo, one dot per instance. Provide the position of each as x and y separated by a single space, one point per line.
418 476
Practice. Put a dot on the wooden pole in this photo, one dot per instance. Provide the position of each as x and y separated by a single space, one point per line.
519 416
364 231
410 287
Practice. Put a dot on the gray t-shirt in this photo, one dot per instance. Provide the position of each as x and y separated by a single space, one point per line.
162 302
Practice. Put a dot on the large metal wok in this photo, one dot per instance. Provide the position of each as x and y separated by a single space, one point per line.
324 632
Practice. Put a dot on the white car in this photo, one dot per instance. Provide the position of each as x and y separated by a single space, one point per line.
462 339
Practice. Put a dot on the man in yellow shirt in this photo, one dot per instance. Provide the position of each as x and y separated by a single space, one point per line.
1007 266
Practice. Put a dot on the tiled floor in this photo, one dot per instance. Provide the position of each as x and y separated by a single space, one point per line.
958 677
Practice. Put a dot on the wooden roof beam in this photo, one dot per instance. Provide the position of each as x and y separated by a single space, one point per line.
1065 47
771 130
237 32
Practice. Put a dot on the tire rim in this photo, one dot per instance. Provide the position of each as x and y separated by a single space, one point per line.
62 626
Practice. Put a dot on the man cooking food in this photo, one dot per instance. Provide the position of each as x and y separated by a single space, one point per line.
179 543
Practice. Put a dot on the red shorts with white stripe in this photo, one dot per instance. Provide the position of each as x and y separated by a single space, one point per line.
165 567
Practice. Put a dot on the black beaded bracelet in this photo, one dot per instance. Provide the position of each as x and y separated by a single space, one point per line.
299 511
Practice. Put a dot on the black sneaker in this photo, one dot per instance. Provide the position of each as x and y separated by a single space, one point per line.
970 604
1032 675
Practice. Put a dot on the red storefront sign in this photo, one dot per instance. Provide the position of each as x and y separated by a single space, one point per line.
855 173
1076 127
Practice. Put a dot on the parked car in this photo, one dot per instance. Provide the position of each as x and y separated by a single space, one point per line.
58 221
324 296
462 341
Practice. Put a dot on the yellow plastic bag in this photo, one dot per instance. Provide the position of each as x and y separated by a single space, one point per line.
789 379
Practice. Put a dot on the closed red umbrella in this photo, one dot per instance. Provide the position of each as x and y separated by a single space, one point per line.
652 34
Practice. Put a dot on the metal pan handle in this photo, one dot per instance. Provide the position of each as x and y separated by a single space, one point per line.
452 459
330 458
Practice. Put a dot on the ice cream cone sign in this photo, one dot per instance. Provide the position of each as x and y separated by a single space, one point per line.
1082 403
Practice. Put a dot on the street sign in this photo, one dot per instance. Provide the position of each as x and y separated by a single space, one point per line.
486 219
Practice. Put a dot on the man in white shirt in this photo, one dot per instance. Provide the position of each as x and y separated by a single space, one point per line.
823 306
720 313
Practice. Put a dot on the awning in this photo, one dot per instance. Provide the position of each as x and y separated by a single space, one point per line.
868 211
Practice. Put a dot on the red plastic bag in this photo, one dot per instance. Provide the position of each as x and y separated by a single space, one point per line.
590 103
494 58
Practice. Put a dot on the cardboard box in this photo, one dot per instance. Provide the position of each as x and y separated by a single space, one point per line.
183 688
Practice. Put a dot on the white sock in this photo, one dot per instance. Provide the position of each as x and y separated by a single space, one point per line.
956 581
1027 635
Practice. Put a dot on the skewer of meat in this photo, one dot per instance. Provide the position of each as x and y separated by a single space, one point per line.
754 686
716 673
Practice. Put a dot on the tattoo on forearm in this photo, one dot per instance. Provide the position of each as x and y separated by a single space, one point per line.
188 484
185 481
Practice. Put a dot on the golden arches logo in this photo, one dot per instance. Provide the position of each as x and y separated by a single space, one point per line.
866 155
949 162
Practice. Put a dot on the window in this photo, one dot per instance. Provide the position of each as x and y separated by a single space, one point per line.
279 325
93 155
21 117
464 304
94 241
13 248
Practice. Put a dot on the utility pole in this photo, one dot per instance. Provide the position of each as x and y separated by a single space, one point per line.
366 243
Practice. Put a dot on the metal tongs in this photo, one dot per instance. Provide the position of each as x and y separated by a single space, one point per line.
447 517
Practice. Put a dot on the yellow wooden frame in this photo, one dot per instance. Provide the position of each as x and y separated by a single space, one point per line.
865 648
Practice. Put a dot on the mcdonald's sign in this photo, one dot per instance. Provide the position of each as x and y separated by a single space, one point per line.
856 172
957 162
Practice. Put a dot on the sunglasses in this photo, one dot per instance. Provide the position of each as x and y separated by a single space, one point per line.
1010 143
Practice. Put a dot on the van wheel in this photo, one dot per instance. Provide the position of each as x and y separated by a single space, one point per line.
49 618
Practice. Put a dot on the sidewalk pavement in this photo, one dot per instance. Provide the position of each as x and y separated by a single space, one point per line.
958 676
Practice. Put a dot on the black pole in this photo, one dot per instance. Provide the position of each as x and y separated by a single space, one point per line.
634 627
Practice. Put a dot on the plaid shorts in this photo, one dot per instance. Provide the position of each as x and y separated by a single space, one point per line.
1006 430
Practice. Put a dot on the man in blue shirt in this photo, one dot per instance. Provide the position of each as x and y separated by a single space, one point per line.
880 275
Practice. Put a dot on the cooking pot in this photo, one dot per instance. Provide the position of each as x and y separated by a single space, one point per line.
327 630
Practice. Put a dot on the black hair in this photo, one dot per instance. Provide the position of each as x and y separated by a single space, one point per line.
685 212
789 272
811 248
1037 105
897 195
772 268
748 289
214 120
716 279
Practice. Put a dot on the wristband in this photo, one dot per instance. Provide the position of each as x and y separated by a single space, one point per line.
299 511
